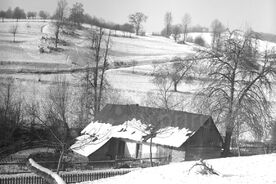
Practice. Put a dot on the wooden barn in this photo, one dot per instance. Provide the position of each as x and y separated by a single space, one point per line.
121 131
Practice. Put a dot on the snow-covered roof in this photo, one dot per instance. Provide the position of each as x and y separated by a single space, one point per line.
116 114
96 134
172 136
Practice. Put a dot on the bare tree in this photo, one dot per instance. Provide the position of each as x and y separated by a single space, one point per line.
11 111
168 23
43 14
54 115
116 28
176 31
164 85
31 14
273 138
18 13
14 30
136 20
60 16
186 21
163 97
240 77
182 69
57 114
2 15
94 81
217 29
76 14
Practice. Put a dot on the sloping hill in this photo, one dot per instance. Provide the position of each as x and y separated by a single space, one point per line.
76 47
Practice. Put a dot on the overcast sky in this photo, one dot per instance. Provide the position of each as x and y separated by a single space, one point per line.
258 14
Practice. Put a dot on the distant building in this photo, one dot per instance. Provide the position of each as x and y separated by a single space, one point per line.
122 131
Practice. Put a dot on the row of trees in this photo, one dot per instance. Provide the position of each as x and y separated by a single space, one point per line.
75 14
217 28
78 17
177 29
18 13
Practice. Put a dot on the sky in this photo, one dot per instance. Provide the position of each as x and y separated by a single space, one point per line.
236 14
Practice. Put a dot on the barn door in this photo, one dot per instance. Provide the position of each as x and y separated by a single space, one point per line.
121 149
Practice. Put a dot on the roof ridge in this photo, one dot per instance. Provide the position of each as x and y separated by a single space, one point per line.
170 110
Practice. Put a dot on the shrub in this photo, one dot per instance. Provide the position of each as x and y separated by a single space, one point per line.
143 33
199 41
41 49
48 159
189 39
203 168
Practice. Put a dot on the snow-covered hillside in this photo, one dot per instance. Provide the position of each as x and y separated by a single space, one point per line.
263 45
239 170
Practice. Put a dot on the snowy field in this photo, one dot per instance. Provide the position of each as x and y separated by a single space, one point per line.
133 83
258 169
263 45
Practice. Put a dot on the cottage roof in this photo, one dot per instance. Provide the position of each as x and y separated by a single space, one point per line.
118 114
130 122
96 134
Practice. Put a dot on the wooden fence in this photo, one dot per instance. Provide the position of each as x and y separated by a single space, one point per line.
71 177
253 148
18 165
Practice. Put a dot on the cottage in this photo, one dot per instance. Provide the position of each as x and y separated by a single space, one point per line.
123 131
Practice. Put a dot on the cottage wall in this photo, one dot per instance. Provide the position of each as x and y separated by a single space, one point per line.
178 155
109 151
104 153
145 151
130 149
196 153
142 150
206 143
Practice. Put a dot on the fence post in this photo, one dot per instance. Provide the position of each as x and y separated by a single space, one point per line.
169 158
115 162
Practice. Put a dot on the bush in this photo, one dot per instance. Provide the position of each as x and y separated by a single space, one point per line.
189 39
143 33
199 41
41 50
48 159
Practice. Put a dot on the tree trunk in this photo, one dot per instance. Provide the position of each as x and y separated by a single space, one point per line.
57 34
45 173
175 86
151 163
137 30
56 41
60 158
227 142
238 140
238 146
